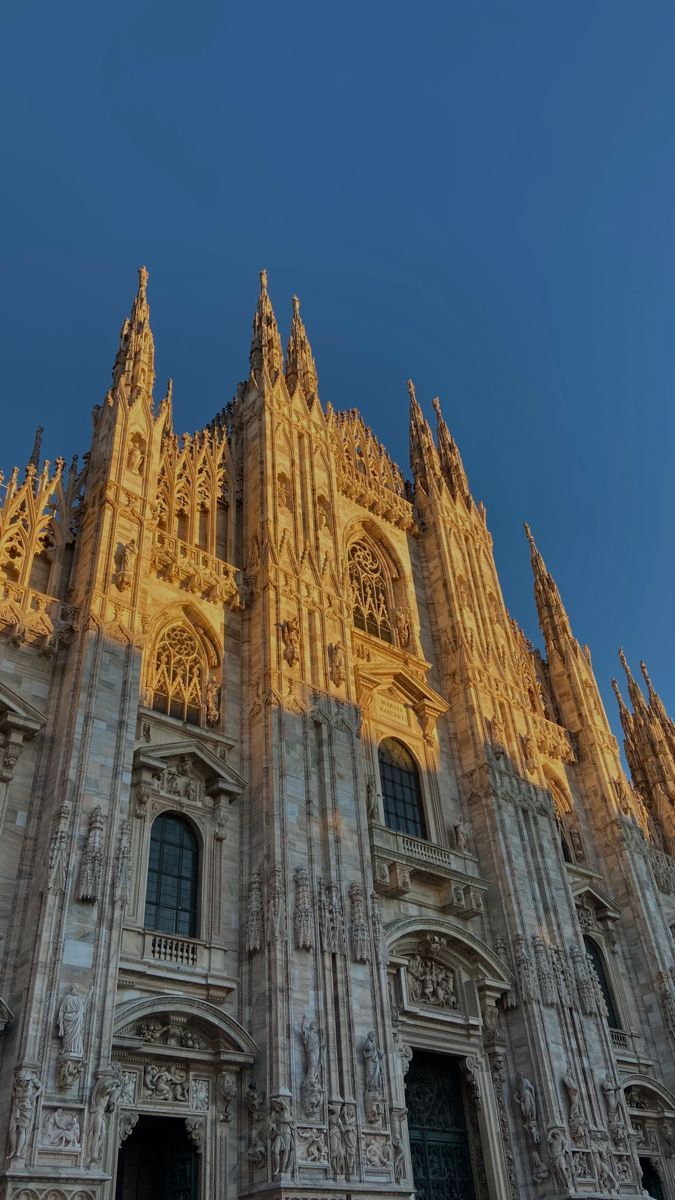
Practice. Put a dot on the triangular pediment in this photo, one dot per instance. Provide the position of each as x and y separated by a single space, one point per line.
17 708
218 775
396 679
593 897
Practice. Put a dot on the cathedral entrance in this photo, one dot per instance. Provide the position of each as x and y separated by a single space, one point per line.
437 1125
157 1162
651 1181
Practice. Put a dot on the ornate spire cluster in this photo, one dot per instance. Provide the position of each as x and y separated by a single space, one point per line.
435 466
134 369
649 741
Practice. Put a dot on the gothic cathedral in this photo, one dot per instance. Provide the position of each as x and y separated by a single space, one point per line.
317 880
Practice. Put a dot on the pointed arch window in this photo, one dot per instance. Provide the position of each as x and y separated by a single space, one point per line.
173 875
595 955
177 675
368 586
401 792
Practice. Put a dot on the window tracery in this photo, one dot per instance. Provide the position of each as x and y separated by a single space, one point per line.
369 592
177 680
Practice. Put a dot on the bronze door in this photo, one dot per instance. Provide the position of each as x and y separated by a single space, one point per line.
439 1142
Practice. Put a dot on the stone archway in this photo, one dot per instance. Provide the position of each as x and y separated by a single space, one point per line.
180 1059
445 984
651 1108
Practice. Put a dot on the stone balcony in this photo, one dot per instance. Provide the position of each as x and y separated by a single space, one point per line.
398 859
166 956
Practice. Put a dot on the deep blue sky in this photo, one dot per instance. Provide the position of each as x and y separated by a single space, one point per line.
480 196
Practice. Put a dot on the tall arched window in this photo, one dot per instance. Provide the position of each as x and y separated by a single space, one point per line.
173 873
595 956
401 789
177 675
368 587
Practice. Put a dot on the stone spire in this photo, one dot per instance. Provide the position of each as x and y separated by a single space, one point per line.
553 619
300 365
34 460
450 458
424 461
134 370
636 697
266 357
655 701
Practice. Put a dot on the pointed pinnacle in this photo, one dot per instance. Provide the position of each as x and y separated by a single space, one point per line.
637 699
617 692
263 281
34 459
300 364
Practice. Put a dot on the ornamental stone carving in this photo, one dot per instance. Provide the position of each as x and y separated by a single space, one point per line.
121 877
254 915
358 927
429 981
525 970
60 1129
126 1124
585 989
162 1084
331 920
312 1146
381 951
276 907
302 916
91 865
547 984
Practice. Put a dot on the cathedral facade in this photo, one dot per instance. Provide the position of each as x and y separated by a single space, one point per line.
317 880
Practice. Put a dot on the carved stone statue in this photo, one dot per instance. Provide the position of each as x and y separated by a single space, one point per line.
560 1173
311 1086
254 919
276 907
103 1100
576 1119
349 1138
26 1089
60 1128
403 627
70 1022
302 918
335 1146
461 840
373 1059
212 702
360 937
526 1100
282 1136
290 635
336 660
166 1085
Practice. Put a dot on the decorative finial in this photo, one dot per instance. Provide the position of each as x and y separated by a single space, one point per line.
143 276
411 391
645 672
296 306
263 281
617 691
437 408
529 534
622 660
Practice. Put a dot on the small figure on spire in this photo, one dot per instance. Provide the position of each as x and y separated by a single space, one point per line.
134 370
636 696
263 280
